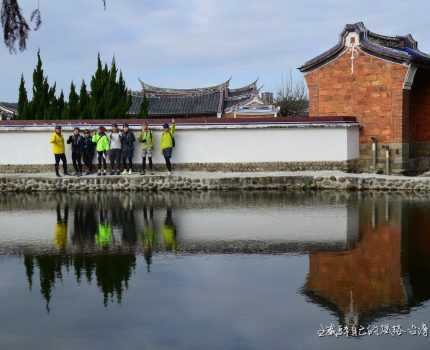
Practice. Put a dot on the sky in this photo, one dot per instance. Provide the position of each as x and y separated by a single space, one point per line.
196 43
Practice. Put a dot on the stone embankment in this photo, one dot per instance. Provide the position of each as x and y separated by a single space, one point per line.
202 181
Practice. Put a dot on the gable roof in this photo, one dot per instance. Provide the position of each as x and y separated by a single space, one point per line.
400 49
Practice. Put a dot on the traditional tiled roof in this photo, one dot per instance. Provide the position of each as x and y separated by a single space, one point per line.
211 100
401 49
150 89
250 89
203 104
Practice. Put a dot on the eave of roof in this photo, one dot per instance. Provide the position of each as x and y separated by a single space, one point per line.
400 49
150 89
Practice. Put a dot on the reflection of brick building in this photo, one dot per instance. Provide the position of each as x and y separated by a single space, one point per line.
385 272
384 82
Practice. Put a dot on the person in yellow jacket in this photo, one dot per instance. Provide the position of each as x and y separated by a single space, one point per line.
169 232
167 143
58 149
60 233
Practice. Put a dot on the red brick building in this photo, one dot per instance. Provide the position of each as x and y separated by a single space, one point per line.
384 82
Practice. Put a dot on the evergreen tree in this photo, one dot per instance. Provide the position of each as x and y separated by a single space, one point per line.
73 105
61 106
51 108
97 91
84 101
40 91
22 100
109 95
144 108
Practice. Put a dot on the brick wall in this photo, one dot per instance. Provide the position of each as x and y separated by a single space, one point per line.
420 107
373 93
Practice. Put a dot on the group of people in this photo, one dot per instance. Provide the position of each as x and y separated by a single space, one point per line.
117 145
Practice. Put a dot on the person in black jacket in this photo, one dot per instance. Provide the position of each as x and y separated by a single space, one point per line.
77 142
127 147
88 151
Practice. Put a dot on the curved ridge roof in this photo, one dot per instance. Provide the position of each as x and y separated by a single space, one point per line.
401 49
170 91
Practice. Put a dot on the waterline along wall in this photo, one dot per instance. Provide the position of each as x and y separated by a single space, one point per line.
205 144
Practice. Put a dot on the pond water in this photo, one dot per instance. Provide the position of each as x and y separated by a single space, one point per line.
229 270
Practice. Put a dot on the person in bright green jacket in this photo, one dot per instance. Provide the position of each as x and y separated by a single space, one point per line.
102 147
167 142
104 232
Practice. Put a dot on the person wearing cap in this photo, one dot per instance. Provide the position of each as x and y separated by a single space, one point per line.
147 140
102 147
115 150
127 149
77 142
167 143
58 149
88 151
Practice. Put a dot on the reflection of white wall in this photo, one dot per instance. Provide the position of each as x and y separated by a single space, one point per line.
210 144
301 224
324 224
27 227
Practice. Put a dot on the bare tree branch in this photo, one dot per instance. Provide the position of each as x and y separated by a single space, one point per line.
15 26
292 97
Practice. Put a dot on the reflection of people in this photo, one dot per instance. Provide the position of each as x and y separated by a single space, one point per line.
149 235
60 233
169 232
104 232
84 224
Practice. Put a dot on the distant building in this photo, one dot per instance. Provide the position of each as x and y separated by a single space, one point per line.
384 82
215 101
8 110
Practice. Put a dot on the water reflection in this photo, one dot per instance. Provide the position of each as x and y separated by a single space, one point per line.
110 272
368 255
384 274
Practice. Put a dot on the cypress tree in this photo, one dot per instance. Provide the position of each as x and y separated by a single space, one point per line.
22 100
61 106
51 110
84 101
73 107
39 86
97 90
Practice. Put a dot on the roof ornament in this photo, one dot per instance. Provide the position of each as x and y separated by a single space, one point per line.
351 42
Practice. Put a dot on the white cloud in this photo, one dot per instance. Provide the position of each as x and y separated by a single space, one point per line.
197 42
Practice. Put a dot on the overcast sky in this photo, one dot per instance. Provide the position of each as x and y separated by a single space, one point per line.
193 43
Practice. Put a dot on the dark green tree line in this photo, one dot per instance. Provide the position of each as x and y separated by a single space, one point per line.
108 96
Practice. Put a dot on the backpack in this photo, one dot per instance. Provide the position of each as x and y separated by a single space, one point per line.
173 140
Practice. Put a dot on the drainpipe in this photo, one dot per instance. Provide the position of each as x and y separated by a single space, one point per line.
374 153
387 160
